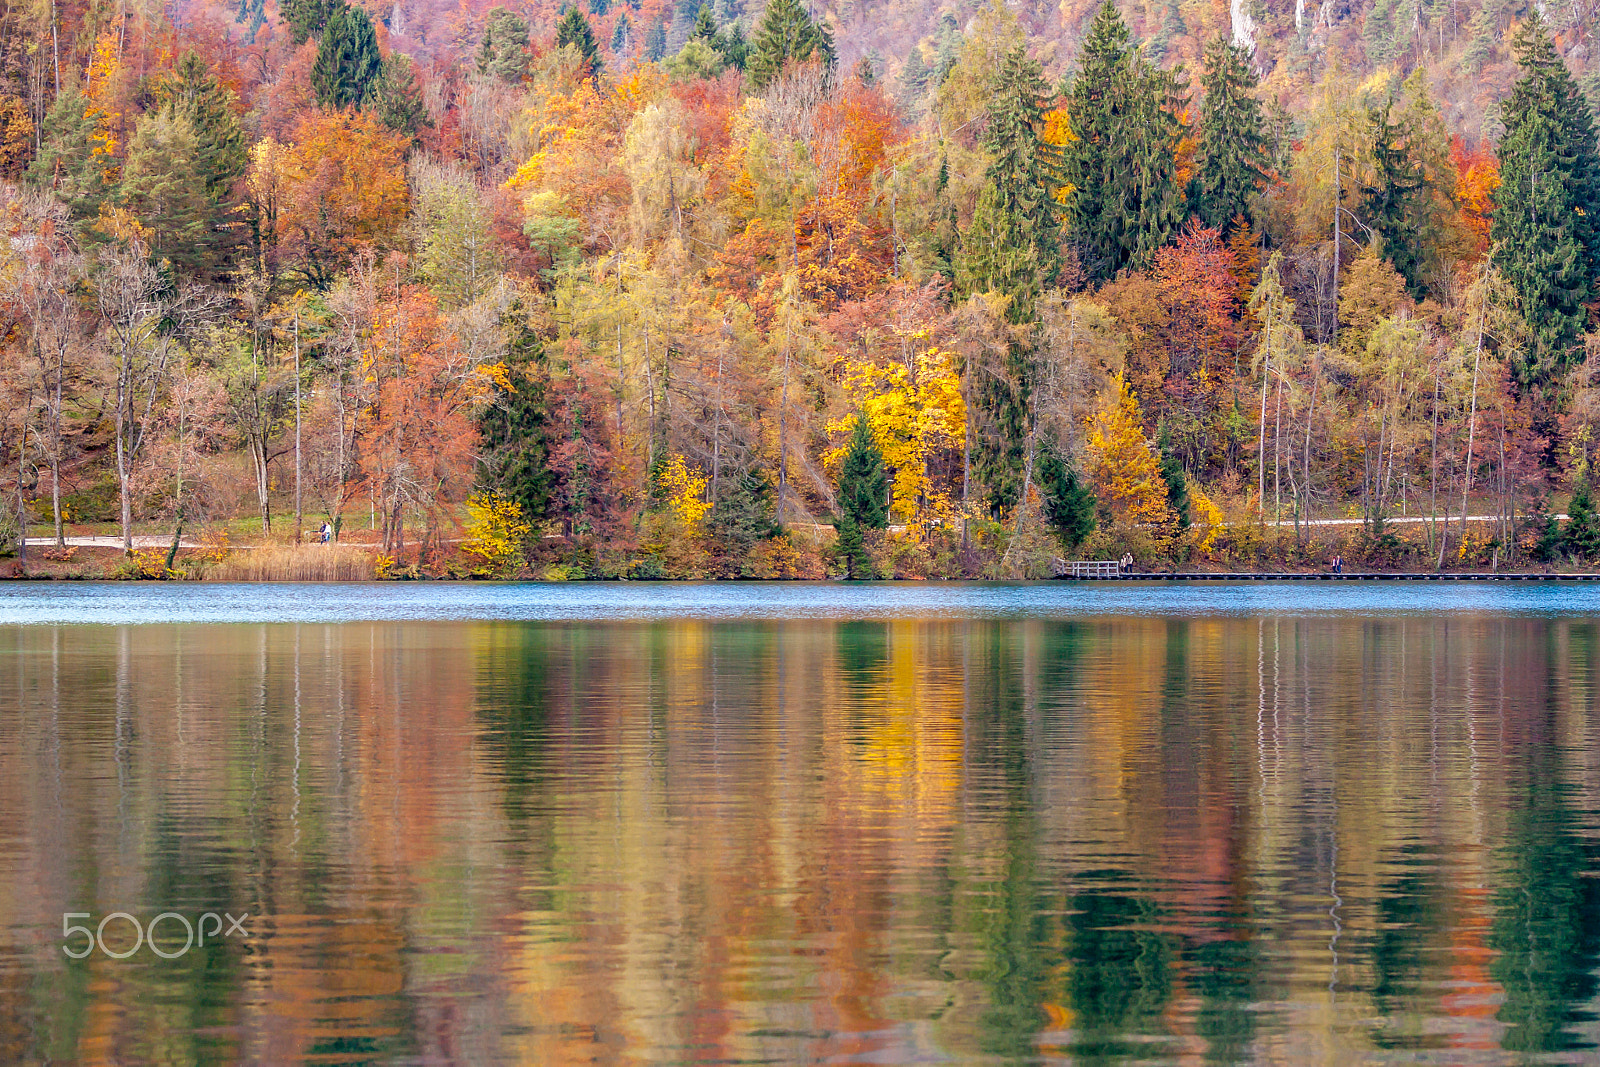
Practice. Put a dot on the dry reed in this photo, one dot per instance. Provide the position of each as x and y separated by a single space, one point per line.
294 563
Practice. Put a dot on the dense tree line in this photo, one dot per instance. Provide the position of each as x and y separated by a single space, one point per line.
719 306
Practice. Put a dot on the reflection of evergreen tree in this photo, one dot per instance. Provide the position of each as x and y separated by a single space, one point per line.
1119 970
1547 921
1409 927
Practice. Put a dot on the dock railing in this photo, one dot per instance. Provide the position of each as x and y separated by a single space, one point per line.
1082 568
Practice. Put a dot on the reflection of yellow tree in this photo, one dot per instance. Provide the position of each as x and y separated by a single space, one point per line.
915 410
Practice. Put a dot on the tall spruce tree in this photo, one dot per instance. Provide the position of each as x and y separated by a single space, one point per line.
503 51
1013 247
1389 199
1232 158
1069 502
1546 209
306 18
786 33
396 99
348 61
863 497
1123 163
574 30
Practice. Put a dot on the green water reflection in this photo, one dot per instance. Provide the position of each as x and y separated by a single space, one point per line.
1179 840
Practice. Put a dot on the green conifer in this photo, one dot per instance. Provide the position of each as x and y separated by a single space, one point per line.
503 51
1122 164
396 100
655 42
1544 226
306 18
786 33
1581 535
68 163
863 483
1069 503
574 30
1231 159
348 60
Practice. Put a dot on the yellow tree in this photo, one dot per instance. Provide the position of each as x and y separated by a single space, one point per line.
1125 470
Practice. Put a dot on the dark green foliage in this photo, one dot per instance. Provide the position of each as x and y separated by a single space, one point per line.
735 50
396 99
1122 166
863 483
67 162
348 60
597 8
744 514
1069 503
1015 238
164 185
517 429
1177 484
503 51
1391 201
574 30
622 36
655 42
306 18
852 548
786 33
1546 240
705 27
197 95
1231 159
252 15
1581 535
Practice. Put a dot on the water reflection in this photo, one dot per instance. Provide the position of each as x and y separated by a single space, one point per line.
1095 840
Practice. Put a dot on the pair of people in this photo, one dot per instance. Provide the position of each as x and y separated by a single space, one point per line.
325 535
1127 562
1338 564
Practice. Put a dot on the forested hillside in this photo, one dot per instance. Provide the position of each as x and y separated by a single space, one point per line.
642 289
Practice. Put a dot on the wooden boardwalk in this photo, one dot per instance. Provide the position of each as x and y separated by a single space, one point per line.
1353 576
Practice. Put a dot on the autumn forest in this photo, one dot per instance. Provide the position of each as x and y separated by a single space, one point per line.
672 289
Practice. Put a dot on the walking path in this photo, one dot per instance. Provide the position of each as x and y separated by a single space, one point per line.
111 541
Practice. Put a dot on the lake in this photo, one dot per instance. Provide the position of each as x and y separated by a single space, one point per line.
900 823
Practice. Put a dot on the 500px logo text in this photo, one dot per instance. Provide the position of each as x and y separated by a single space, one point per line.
95 937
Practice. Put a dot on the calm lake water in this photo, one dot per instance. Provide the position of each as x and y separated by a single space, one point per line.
801 824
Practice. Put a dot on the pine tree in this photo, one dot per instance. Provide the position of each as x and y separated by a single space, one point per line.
705 27
1177 483
574 30
744 514
396 100
164 185
1024 173
1389 199
196 94
306 18
1122 164
503 51
786 33
1232 159
655 42
622 36
598 8
1581 535
1069 504
71 162
863 483
348 60
517 427
1544 226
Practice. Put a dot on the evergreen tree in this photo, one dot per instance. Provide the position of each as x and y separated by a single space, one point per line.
1581 535
306 18
1122 165
655 42
1069 503
744 515
1024 173
1388 200
71 161
622 36
786 33
197 95
735 50
705 27
503 51
396 100
348 60
1544 226
598 8
574 30
517 428
1232 158
164 185
1172 474
863 498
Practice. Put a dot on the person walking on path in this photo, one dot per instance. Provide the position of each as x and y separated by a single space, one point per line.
326 534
